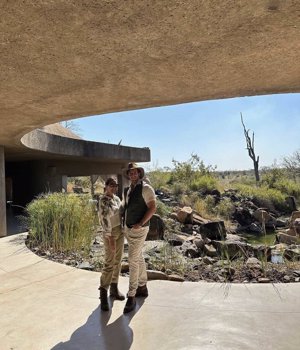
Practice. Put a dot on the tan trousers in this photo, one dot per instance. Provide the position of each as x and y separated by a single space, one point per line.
137 266
112 264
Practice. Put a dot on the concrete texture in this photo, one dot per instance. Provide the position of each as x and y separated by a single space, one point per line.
67 59
45 305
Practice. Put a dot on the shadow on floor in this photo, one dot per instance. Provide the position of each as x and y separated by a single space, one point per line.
98 333
15 220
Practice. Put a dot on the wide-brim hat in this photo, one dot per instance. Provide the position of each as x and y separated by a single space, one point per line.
134 166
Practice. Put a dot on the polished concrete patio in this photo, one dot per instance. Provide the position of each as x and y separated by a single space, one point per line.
45 305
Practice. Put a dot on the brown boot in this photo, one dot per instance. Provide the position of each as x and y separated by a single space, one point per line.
142 291
115 293
130 305
103 298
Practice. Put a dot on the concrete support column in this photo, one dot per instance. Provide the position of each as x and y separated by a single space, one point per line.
121 185
3 230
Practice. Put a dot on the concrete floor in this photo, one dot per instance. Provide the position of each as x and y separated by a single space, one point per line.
45 305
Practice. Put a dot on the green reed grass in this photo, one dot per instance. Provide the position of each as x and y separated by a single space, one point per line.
63 222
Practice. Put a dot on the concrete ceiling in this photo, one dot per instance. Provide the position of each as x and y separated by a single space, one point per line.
63 59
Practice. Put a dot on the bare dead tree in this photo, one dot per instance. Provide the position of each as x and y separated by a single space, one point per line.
250 148
292 164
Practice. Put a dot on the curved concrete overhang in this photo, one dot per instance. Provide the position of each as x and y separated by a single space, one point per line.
46 145
66 59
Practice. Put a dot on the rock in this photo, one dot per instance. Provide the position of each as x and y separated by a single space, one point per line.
214 230
243 216
230 250
210 250
185 215
175 278
255 228
190 249
291 203
253 263
227 271
235 238
199 243
280 223
261 251
208 260
263 280
156 275
295 215
156 229
187 228
176 239
286 279
292 254
262 216
282 237
85 265
198 219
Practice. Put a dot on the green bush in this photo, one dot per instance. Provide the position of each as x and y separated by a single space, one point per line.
288 187
63 222
225 208
264 196
204 183
162 209
159 178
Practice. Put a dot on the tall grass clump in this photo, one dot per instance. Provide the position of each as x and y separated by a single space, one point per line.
264 196
290 187
63 222
204 183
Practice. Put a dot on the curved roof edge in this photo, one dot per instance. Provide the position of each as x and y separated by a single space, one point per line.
55 146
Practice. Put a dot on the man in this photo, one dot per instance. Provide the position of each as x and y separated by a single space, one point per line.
139 204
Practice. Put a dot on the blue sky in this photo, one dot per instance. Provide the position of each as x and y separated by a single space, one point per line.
211 129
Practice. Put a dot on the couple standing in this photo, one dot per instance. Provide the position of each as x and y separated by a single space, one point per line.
137 207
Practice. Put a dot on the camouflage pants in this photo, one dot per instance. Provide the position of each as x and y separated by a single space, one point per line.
112 265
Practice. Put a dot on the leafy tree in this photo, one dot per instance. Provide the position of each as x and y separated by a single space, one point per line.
189 171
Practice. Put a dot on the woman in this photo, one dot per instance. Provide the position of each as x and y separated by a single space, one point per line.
109 217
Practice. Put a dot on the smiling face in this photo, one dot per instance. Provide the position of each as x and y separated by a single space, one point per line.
133 175
111 188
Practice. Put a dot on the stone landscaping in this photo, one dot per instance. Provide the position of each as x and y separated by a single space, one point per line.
186 246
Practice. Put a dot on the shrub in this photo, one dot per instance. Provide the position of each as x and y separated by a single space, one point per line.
159 178
288 187
225 208
162 209
63 222
264 196
204 183
179 189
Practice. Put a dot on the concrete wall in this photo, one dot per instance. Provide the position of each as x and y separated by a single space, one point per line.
30 178
2 194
